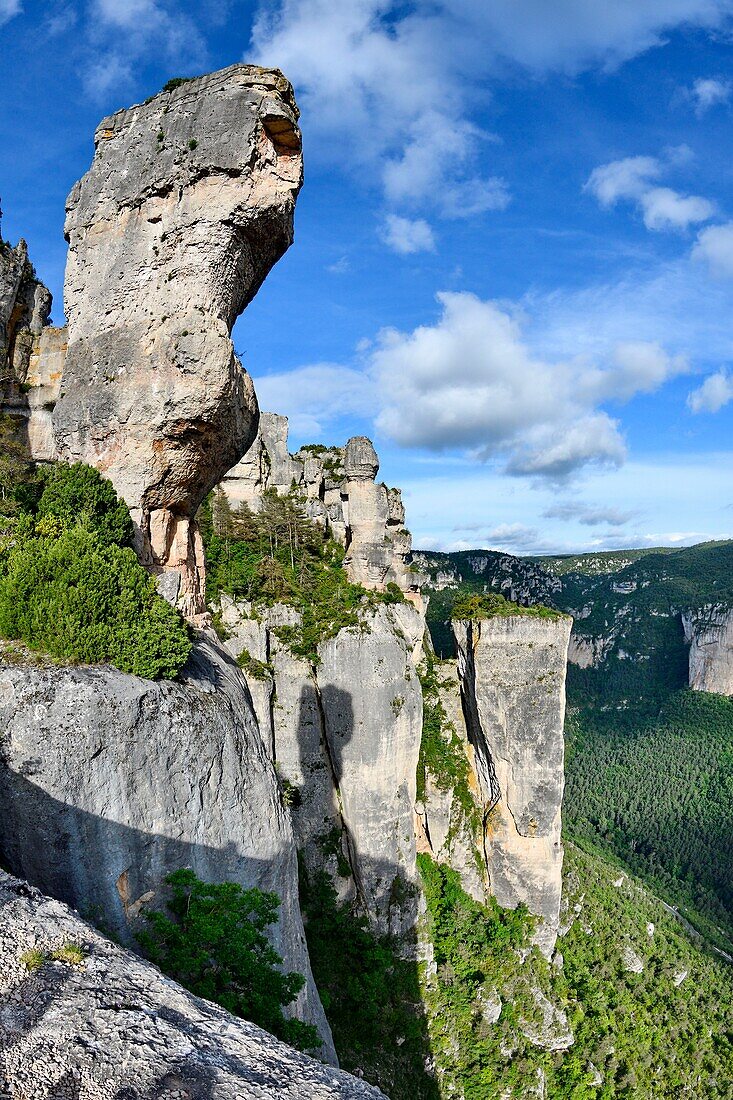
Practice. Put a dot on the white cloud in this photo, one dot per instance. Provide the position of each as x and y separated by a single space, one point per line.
9 8
471 382
666 209
661 207
715 246
314 396
406 236
622 179
589 515
410 77
138 30
715 392
340 266
708 92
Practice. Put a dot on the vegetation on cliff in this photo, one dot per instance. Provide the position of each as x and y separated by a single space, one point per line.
70 583
491 605
216 945
650 1014
279 555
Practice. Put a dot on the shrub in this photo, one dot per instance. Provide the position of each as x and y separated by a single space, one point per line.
490 604
80 600
80 492
216 946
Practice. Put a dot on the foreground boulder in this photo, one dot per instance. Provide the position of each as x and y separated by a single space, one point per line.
109 782
105 1025
187 205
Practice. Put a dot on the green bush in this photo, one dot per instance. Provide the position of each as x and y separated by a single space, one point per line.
216 946
487 605
80 600
79 492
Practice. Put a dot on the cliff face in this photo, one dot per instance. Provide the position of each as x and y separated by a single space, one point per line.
112 1025
345 735
512 673
109 782
709 632
340 493
187 205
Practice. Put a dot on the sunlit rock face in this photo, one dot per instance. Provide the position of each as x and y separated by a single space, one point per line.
512 671
187 205
709 632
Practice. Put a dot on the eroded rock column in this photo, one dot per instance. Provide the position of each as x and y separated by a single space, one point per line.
187 205
512 671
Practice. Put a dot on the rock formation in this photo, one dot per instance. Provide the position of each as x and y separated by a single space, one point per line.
31 353
109 782
345 735
709 632
340 493
187 205
111 1026
512 672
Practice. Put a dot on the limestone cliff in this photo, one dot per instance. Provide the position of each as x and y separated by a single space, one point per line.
110 1025
340 491
345 736
30 363
512 671
108 782
709 632
187 205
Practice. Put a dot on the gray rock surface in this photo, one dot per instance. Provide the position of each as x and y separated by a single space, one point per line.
346 739
339 490
709 632
108 782
112 1027
187 205
512 672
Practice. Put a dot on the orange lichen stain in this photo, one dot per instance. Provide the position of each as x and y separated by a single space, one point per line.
106 134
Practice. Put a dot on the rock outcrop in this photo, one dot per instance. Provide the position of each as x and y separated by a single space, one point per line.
30 367
111 1026
108 782
340 492
345 735
709 632
512 672
187 205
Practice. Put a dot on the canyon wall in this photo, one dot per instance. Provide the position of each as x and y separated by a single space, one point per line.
339 490
108 782
512 671
709 632
344 733
111 1025
187 205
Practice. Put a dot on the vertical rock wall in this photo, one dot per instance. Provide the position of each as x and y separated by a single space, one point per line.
512 672
187 205
709 632
345 740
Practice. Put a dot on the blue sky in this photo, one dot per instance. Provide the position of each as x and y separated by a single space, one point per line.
513 264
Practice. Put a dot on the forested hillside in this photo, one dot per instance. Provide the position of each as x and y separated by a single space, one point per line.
650 764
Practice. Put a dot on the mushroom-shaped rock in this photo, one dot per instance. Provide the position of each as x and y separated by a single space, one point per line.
187 205
360 459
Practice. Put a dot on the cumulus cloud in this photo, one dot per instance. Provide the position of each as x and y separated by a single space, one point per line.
391 90
471 382
709 92
715 392
9 8
632 179
314 396
407 236
715 246
589 515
